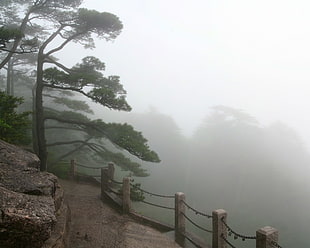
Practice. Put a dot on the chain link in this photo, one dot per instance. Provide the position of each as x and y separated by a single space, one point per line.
157 205
86 175
114 191
90 167
116 182
275 244
226 240
196 225
196 211
236 235
150 193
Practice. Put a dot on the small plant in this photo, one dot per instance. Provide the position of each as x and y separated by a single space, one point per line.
135 192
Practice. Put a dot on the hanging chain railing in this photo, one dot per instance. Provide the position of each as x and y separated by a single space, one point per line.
196 211
82 174
116 182
90 167
157 205
236 235
275 244
115 192
152 194
195 224
227 241
230 231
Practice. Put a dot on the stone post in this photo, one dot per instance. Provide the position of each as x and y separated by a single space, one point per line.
179 218
110 173
104 179
72 170
126 195
219 229
265 236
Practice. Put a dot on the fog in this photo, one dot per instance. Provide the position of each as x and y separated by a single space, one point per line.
186 56
220 90
259 174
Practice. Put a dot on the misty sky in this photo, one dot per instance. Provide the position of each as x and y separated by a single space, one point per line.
183 57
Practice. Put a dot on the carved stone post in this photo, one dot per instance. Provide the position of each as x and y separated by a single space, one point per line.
104 181
266 236
179 218
219 229
110 173
126 195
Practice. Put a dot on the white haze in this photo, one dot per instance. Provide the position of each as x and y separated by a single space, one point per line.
186 56
182 58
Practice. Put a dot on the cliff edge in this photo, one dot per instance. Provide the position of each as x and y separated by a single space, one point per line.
30 201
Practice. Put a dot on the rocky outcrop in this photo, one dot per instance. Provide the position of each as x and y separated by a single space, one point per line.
29 199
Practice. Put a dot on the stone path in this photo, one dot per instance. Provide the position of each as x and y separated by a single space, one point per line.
95 224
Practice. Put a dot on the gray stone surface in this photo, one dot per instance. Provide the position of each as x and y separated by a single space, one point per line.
26 220
94 224
16 157
28 199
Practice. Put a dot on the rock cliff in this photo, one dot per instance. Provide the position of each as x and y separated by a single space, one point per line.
29 199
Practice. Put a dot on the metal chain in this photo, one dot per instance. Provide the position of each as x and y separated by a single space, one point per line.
156 205
90 167
115 192
196 225
82 174
236 235
152 194
192 241
274 243
112 180
226 240
196 211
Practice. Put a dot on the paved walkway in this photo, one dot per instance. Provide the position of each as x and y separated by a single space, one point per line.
95 224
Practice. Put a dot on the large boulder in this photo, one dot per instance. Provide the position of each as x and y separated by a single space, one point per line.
28 199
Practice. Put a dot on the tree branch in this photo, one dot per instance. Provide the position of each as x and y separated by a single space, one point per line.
65 143
70 152
79 90
76 122
64 43
18 52
51 61
50 39
68 128
16 41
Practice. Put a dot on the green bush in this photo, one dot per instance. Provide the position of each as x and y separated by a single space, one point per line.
13 126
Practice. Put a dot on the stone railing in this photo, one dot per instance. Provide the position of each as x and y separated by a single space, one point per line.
222 233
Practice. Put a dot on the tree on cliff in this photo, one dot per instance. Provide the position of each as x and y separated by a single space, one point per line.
67 23
13 125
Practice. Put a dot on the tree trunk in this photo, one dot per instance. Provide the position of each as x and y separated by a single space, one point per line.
9 74
16 41
34 121
39 115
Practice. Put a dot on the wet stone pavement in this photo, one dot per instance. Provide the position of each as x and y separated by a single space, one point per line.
95 224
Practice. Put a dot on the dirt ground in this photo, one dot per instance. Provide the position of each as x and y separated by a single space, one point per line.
95 224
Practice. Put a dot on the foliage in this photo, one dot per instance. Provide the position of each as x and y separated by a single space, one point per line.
126 137
61 170
54 24
74 104
86 78
13 125
123 162
97 133
135 193
8 35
